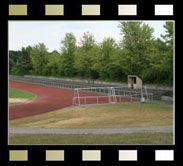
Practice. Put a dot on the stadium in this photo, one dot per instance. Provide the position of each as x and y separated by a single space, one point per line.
108 82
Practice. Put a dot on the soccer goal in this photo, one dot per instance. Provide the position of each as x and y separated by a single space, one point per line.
94 95
109 95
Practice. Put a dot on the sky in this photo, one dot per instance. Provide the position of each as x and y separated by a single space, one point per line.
25 33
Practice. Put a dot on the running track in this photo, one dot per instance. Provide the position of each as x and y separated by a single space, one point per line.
48 99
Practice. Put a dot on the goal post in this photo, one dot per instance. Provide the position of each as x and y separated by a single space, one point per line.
94 95
109 95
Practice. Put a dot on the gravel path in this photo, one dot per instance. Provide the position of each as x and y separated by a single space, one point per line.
162 129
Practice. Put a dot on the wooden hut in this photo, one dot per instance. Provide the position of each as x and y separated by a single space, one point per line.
134 82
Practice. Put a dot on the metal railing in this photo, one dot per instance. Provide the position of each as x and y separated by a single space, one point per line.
120 91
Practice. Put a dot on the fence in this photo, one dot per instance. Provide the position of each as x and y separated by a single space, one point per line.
53 83
119 91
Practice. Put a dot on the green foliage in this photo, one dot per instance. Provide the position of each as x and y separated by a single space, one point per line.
161 59
105 63
168 37
16 70
138 53
11 64
25 60
168 60
20 61
68 49
39 58
136 43
85 57
14 55
14 59
52 67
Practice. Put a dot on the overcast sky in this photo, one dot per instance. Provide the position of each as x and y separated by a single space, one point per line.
24 33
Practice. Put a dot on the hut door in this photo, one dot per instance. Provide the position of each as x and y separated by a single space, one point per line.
134 80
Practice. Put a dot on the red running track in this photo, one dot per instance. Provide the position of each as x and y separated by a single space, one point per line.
48 99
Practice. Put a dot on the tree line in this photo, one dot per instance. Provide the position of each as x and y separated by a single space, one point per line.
137 53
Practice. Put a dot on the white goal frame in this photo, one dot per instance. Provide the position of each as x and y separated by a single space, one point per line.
109 93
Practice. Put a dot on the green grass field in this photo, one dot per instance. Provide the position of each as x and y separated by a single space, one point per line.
16 93
120 139
17 96
103 116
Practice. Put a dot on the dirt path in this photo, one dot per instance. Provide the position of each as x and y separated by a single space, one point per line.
48 99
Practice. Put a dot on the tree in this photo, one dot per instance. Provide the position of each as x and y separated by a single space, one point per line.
53 63
168 59
136 42
25 60
87 41
84 56
39 59
14 55
154 74
161 62
14 62
11 64
168 37
137 53
104 64
68 49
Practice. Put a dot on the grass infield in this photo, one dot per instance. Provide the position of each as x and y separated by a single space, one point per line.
103 116
21 95
16 93
58 139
